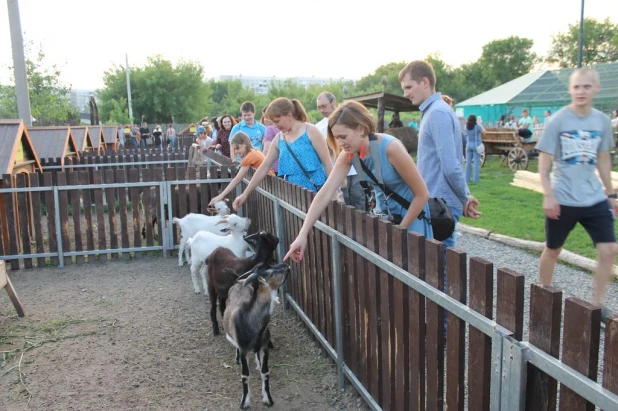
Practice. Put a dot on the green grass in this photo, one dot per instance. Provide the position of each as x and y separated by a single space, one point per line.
517 212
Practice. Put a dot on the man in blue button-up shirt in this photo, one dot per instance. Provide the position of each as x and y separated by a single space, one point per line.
440 152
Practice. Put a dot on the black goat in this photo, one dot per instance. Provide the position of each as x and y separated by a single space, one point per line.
223 266
246 319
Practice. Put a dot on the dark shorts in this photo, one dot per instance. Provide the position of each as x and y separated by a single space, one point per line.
597 220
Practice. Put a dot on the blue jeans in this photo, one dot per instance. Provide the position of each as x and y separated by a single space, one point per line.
472 156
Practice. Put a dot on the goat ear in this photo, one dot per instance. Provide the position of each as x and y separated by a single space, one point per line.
222 221
227 200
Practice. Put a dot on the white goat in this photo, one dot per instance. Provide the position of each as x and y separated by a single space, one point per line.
192 223
204 243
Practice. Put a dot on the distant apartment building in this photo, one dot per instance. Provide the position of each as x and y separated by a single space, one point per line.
260 85
80 98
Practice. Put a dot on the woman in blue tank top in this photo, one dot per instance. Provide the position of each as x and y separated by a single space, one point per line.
300 147
349 128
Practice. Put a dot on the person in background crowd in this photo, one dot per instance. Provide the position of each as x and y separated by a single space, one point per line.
474 133
269 135
525 125
144 132
223 135
300 148
547 115
170 136
135 136
249 126
440 152
350 128
251 158
157 133
615 119
353 193
120 137
575 144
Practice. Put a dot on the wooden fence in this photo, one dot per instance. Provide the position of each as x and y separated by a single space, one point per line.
373 295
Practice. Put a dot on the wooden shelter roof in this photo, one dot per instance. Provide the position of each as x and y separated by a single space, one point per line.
82 138
110 134
187 130
96 134
392 102
53 142
12 134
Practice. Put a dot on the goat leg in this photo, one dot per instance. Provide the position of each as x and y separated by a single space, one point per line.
204 272
181 250
246 394
267 399
222 305
196 284
237 359
213 310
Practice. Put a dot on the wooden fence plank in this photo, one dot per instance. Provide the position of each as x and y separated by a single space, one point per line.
23 209
362 319
193 191
317 265
544 333
110 195
170 175
580 348
479 355
84 177
77 217
205 191
97 176
136 206
328 276
386 330
35 197
510 301
435 328
64 217
373 298
399 307
182 194
456 280
122 210
50 208
349 283
416 330
11 226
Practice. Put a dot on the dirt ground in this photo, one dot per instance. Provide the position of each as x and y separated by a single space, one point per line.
134 336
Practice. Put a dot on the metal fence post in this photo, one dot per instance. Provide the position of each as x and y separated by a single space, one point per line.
513 387
164 229
496 372
337 303
280 234
58 228
169 232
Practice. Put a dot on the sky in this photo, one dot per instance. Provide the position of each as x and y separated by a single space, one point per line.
282 38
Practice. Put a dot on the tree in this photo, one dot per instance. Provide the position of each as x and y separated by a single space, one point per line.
373 82
506 59
600 44
49 99
120 112
159 91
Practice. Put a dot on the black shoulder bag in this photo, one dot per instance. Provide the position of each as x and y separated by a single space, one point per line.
441 219
317 187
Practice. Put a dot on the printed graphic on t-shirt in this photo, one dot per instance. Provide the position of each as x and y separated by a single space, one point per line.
580 146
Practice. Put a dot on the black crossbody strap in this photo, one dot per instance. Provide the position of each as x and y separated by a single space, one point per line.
298 161
364 171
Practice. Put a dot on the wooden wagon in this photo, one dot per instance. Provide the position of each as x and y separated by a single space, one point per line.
510 146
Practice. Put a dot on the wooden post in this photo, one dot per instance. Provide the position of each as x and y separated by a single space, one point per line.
6 283
455 331
381 115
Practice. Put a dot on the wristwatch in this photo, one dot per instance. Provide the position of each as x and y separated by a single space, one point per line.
612 195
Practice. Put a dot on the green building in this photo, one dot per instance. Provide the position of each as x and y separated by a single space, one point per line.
539 91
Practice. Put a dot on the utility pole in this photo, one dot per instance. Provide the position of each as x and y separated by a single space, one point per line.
580 52
19 63
128 88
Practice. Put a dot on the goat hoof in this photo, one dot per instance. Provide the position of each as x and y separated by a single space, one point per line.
268 403
180 264
197 292
216 332
270 344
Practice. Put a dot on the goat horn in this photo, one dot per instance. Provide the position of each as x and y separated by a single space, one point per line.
251 275
222 221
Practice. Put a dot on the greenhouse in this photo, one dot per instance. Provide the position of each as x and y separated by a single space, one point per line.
539 91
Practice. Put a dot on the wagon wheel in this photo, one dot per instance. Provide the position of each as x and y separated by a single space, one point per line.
518 159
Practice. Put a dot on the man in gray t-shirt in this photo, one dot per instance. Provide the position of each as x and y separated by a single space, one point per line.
576 141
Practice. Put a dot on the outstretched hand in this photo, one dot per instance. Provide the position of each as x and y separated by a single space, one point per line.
471 208
238 202
215 199
297 249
